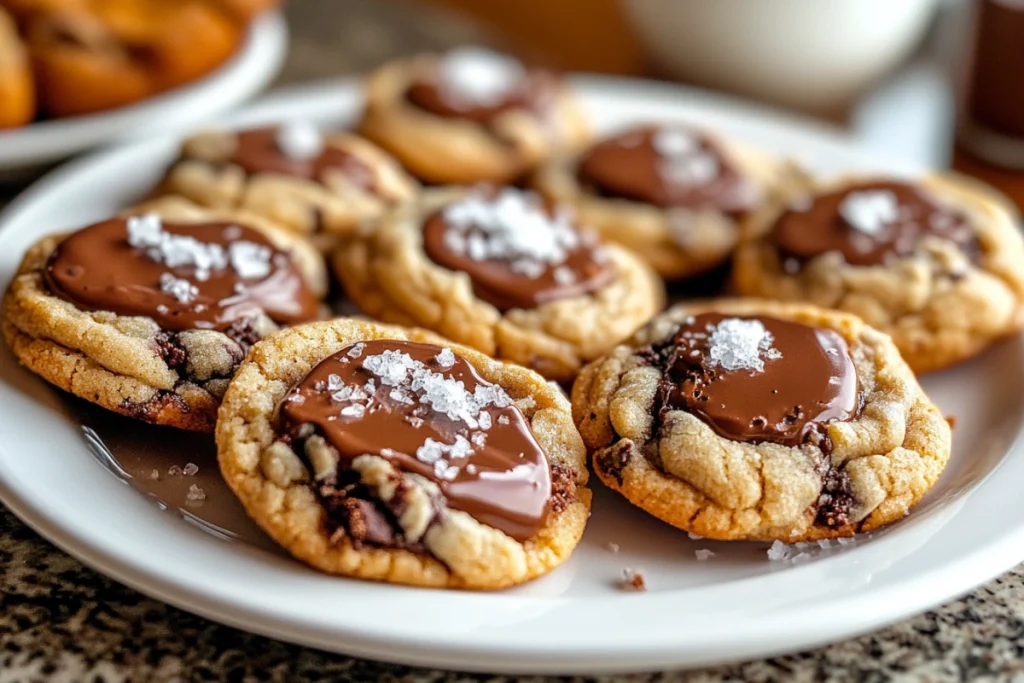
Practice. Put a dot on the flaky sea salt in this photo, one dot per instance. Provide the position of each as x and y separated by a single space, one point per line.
512 226
445 358
612 547
195 496
682 161
564 276
299 140
737 344
703 554
503 420
670 142
250 260
190 470
174 471
472 76
182 290
779 551
146 232
870 211
356 410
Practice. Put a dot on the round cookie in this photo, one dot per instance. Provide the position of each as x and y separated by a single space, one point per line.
677 196
319 186
498 271
470 115
759 420
149 314
102 54
937 263
390 454
17 89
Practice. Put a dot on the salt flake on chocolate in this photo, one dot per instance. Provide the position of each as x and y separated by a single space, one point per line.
474 76
870 211
512 226
182 290
445 359
250 260
299 140
736 344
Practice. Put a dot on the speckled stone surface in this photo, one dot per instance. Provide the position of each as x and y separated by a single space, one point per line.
60 621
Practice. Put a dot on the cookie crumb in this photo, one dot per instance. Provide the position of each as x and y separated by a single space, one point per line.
703 554
195 496
612 547
632 580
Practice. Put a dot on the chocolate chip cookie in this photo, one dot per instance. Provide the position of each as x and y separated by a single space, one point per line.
761 420
501 272
389 454
148 314
470 115
938 263
677 196
319 185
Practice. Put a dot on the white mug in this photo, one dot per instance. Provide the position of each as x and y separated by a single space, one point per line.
813 55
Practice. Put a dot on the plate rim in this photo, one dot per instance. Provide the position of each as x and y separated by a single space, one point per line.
967 572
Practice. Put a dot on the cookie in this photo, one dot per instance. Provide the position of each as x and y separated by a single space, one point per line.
149 314
389 454
17 90
319 186
498 271
95 55
759 420
470 115
677 196
937 263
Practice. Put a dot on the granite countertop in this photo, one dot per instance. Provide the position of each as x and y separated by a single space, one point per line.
62 621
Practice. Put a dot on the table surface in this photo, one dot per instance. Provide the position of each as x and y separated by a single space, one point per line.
62 621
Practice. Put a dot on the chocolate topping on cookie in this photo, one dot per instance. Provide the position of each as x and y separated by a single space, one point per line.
428 412
471 83
518 253
184 276
669 167
299 150
759 379
869 223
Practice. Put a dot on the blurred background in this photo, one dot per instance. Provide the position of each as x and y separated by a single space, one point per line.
906 77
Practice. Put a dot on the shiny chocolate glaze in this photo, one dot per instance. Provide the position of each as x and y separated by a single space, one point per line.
495 282
505 484
804 232
812 383
96 269
257 151
628 166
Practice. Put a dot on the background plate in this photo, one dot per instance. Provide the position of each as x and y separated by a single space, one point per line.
30 147
736 605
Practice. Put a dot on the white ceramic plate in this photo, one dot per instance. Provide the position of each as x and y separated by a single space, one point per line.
736 605
248 72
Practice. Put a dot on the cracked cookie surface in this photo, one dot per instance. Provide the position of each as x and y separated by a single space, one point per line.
321 186
470 116
827 468
679 197
314 434
513 294
133 364
944 291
